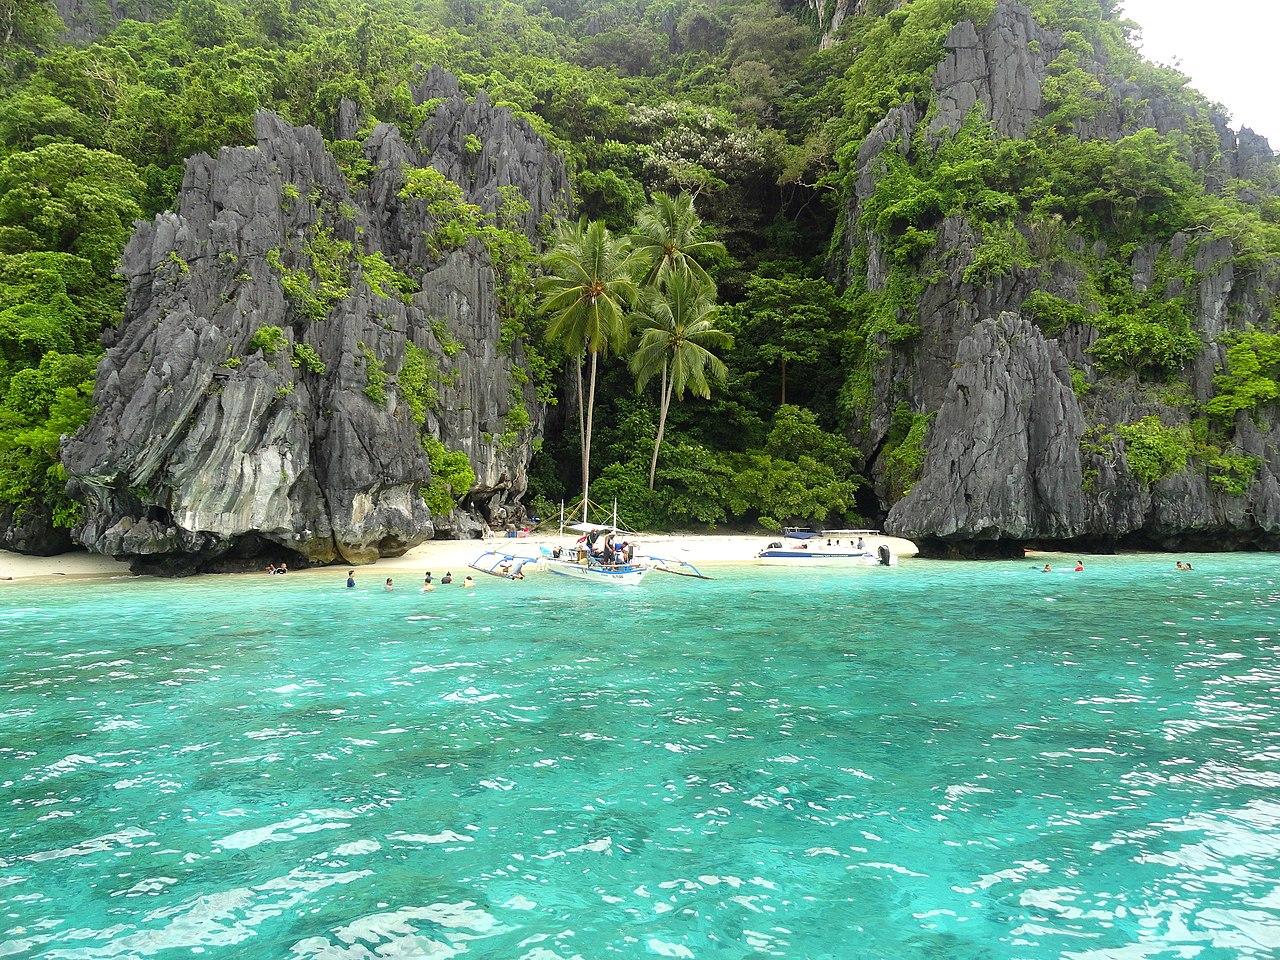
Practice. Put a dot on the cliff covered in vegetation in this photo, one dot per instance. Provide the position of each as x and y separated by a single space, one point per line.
302 345
988 276
1043 169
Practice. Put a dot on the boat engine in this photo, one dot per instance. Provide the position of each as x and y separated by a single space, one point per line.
886 558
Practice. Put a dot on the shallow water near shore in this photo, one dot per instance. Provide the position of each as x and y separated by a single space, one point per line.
937 761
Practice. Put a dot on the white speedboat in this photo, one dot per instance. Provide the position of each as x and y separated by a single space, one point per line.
809 548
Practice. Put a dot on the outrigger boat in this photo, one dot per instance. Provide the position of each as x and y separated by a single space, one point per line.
580 562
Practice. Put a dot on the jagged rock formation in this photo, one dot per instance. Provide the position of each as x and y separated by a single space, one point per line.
1009 401
1014 455
831 15
32 532
209 446
87 20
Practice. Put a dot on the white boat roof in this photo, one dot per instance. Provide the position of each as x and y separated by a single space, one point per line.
588 527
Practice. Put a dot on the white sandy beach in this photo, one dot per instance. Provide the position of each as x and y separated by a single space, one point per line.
441 556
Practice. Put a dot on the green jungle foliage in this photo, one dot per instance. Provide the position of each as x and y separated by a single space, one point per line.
729 101
451 477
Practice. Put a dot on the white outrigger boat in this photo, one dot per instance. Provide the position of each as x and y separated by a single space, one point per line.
828 548
581 565
581 562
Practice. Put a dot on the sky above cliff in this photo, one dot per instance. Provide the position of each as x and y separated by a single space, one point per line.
1227 47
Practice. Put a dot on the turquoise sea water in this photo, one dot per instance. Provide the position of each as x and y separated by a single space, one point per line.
945 761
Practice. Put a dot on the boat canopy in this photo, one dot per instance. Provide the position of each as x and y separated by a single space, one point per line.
799 533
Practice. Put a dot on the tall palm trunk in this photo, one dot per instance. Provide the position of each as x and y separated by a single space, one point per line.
664 404
586 446
582 434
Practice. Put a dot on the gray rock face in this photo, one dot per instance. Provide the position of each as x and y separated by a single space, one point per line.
32 532
1013 454
1010 403
206 446
87 20
1010 461
1000 68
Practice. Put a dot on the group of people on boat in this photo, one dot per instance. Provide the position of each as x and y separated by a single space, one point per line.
602 547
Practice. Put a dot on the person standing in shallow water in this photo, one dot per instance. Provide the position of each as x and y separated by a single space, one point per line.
388 585
351 579
447 578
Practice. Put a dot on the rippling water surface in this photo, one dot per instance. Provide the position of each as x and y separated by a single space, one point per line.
939 761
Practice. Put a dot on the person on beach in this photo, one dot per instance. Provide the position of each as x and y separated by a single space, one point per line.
388 585
447 578
1079 566
351 579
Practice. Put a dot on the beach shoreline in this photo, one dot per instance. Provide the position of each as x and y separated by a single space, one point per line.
443 556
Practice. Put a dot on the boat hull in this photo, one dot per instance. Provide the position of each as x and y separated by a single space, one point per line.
623 576
818 558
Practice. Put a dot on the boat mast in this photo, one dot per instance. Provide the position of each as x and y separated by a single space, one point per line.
615 516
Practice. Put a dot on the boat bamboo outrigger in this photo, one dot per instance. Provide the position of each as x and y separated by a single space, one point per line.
496 563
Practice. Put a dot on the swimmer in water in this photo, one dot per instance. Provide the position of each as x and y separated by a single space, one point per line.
351 579
1047 569
388 585
447 578
468 583
1079 566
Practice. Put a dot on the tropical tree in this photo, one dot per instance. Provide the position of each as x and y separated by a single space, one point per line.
668 239
678 333
588 286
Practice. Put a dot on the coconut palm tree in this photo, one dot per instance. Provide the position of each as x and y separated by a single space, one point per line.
588 284
678 333
668 239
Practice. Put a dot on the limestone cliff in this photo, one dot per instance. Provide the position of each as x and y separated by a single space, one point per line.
1026 441
291 335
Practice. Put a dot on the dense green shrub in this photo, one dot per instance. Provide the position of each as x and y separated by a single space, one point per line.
451 477
1153 450
417 382
1251 376
375 375
1233 473
40 406
904 450
306 357
270 339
